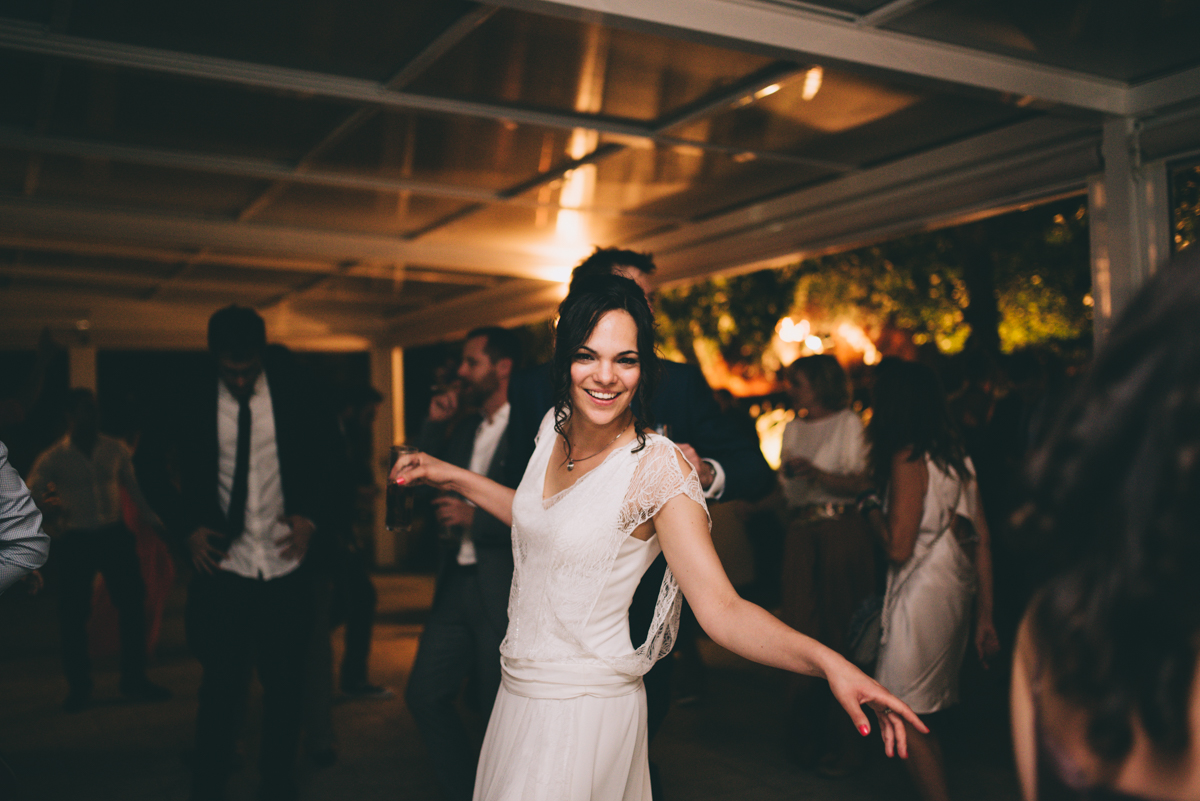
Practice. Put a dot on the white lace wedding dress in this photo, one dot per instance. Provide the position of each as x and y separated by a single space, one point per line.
569 722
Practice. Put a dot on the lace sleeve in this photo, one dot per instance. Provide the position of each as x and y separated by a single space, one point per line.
657 479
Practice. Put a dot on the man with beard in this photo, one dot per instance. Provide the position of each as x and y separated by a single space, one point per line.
470 606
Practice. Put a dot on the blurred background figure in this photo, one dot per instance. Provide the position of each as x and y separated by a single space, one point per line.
344 592
469 427
828 557
24 546
241 476
1104 693
154 561
937 545
77 484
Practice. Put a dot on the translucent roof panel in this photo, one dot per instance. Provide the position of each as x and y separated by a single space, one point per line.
355 211
1126 41
356 38
133 186
160 111
457 151
630 193
572 66
846 121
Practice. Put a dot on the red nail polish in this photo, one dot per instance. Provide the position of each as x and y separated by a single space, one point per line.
864 730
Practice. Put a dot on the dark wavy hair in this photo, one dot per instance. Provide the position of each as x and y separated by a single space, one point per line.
1114 509
908 411
589 300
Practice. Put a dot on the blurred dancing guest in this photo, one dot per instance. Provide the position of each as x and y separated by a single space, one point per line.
78 484
936 540
602 495
24 546
470 605
828 556
1106 691
248 454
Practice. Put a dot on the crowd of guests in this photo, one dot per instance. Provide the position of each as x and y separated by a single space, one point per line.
969 505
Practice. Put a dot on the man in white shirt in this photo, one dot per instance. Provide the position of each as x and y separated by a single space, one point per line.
470 607
77 483
247 451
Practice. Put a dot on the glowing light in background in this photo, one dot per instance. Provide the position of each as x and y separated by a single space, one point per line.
770 434
791 331
814 343
767 91
812 82
857 338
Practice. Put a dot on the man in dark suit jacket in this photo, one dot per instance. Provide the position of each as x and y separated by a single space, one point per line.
729 463
470 606
237 479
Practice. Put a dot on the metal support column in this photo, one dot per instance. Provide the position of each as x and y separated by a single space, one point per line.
1129 222
389 430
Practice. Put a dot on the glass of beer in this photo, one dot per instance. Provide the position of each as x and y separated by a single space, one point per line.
399 496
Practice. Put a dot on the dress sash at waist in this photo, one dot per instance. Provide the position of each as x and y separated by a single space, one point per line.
532 679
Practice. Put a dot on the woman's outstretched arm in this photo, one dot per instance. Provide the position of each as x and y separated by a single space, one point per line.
421 468
752 632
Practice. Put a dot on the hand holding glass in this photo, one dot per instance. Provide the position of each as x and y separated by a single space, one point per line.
399 496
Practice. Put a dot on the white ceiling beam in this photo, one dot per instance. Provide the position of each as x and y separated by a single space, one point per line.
105 224
390 272
1181 87
158 255
803 35
76 274
1027 137
505 305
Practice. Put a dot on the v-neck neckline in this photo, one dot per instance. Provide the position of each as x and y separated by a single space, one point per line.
556 497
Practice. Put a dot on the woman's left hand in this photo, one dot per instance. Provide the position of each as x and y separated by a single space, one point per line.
987 642
853 689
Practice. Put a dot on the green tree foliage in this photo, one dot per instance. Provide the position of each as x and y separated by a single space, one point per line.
738 314
1036 260
1186 186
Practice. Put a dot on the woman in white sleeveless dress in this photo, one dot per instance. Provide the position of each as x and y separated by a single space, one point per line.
936 539
600 499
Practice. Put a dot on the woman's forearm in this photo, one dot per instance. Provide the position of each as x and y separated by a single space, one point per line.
490 496
750 631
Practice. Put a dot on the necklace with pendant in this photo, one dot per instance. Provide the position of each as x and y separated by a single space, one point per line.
571 461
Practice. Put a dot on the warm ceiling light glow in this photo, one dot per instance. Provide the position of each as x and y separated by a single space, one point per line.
812 82
767 91
814 343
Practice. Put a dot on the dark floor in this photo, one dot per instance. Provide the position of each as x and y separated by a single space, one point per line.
727 745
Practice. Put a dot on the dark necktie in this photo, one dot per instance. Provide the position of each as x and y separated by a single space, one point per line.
241 472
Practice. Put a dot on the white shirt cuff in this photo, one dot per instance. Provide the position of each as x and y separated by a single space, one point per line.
717 488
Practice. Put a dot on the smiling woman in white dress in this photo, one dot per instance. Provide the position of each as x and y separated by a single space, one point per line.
602 496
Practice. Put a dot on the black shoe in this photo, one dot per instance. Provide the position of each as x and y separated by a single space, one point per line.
371 691
145 690
77 701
